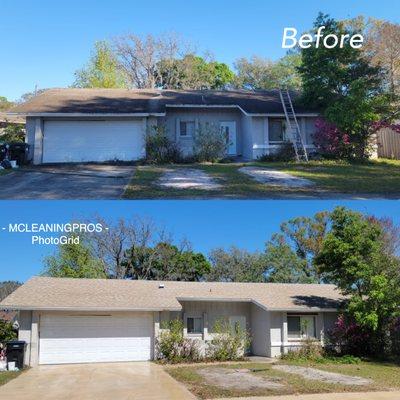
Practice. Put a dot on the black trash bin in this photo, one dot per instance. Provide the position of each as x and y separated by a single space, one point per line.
19 152
15 351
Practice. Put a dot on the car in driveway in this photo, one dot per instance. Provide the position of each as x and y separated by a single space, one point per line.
66 182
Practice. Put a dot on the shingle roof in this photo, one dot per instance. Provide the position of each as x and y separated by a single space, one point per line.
124 101
109 294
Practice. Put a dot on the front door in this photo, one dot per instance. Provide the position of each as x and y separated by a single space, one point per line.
228 128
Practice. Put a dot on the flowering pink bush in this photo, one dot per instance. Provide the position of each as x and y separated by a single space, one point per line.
376 126
347 337
330 141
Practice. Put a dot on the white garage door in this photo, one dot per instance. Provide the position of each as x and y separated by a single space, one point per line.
89 339
80 141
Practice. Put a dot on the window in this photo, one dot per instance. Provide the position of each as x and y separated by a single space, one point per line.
186 128
301 326
276 130
195 325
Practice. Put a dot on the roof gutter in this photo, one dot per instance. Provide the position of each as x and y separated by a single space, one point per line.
216 299
130 309
311 114
50 114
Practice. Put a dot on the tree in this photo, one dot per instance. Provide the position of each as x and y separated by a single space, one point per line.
344 85
290 254
139 57
7 287
166 261
384 43
382 48
260 73
193 72
30 95
236 265
354 256
74 261
102 71
127 249
5 104
13 133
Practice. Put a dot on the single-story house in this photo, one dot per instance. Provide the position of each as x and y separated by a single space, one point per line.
67 320
98 125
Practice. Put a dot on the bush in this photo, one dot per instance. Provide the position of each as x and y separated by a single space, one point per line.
314 352
228 344
209 143
310 350
348 338
173 347
7 332
395 337
159 148
284 153
330 141
12 133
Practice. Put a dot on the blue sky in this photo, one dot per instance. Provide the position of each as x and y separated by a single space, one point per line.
207 224
43 42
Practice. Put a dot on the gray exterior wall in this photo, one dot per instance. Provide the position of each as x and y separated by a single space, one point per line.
268 329
30 136
29 332
214 311
280 343
200 116
252 136
260 333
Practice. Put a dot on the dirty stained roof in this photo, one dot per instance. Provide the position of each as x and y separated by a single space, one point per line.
146 101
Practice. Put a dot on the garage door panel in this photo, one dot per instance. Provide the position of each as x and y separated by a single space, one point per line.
85 141
72 339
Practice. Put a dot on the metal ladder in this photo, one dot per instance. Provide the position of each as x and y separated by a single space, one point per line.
293 128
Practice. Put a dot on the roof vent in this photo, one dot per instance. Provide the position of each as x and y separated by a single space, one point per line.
161 286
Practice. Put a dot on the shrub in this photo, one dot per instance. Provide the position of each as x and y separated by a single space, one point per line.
395 337
160 149
173 347
209 143
330 141
228 343
347 337
310 350
7 332
12 133
284 153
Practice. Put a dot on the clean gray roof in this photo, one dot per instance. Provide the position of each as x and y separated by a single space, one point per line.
112 294
124 101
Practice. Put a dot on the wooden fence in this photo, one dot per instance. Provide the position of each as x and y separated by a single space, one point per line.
388 144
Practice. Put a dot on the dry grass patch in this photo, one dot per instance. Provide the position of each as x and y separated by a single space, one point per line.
383 376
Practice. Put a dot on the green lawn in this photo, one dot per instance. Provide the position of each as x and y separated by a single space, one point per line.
370 179
385 377
7 376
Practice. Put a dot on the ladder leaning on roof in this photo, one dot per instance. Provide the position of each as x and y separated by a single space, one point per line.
293 128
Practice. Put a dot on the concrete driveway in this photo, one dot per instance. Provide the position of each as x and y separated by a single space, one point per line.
116 381
86 181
